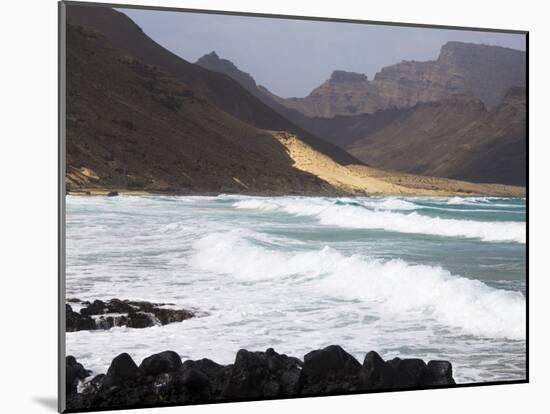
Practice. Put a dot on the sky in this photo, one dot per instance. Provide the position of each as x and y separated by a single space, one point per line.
292 57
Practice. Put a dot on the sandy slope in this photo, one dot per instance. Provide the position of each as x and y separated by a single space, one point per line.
361 179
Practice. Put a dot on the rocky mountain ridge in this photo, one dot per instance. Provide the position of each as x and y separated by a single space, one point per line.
483 71
476 142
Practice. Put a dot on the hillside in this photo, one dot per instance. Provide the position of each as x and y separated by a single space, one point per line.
141 119
454 138
358 179
132 126
220 90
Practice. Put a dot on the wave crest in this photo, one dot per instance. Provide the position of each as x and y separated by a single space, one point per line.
361 216
393 288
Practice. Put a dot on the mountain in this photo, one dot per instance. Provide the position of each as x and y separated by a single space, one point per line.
213 62
132 125
340 130
141 119
220 90
387 138
455 138
483 71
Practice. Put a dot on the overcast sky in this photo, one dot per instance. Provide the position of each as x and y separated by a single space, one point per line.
292 57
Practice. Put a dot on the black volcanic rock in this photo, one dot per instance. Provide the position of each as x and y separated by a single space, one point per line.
167 361
330 370
162 378
123 369
196 383
218 375
262 374
115 312
77 322
407 372
74 372
97 307
376 373
439 373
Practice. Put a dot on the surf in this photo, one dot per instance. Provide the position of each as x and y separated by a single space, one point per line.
385 217
393 288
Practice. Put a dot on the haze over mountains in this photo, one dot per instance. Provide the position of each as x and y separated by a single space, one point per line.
141 118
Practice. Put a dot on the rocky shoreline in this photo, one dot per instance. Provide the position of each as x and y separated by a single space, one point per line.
164 378
115 312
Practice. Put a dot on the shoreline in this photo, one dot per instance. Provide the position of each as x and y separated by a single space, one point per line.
520 192
164 378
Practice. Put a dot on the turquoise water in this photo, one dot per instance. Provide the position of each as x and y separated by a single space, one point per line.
434 278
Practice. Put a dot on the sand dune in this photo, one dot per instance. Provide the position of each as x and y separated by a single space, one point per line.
361 179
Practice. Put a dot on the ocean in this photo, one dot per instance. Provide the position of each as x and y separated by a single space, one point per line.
432 278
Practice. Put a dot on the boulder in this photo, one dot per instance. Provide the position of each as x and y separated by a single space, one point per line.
97 307
77 322
377 374
249 372
166 316
408 372
123 369
74 372
139 320
218 375
134 314
163 362
162 378
329 370
196 384
262 374
439 373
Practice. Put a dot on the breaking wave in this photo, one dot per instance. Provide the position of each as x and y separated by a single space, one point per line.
393 288
384 217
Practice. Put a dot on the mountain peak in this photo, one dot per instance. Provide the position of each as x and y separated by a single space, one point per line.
213 62
210 57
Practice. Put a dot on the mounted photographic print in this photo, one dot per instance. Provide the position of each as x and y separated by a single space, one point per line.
260 207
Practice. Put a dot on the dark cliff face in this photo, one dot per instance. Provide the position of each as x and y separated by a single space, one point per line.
483 71
488 71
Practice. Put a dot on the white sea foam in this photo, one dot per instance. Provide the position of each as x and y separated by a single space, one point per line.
394 288
358 216
481 202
